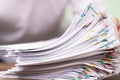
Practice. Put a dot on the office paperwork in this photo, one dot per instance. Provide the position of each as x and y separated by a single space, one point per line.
88 50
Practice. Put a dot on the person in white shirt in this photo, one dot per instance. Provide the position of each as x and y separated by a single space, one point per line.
32 20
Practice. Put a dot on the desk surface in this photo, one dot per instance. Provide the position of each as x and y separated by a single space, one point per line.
5 66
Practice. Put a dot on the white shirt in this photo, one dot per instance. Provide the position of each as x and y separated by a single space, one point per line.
32 20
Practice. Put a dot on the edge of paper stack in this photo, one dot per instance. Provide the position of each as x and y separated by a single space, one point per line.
88 50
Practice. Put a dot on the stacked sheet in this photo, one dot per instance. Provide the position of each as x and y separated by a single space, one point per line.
88 50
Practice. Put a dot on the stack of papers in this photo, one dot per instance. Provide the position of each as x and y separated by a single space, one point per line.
88 50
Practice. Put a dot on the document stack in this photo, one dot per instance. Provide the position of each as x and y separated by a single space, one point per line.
88 50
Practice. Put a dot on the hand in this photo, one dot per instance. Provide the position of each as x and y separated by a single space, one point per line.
117 24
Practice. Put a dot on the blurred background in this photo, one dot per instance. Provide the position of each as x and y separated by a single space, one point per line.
113 7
